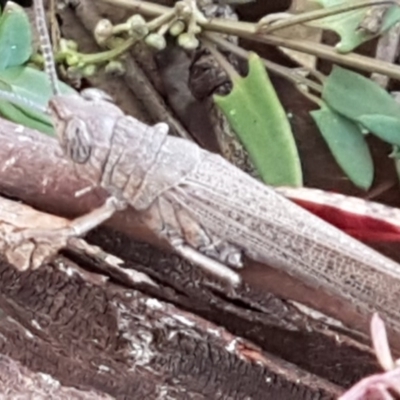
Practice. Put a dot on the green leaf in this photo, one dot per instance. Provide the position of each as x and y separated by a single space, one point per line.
347 144
255 113
34 86
346 24
363 101
13 113
353 95
386 128
15 37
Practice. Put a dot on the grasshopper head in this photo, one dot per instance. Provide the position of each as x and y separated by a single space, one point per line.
84 123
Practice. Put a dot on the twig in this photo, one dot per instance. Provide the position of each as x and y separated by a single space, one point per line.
249 31
277 69
319 14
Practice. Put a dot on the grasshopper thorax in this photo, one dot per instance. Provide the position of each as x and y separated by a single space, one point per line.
84 126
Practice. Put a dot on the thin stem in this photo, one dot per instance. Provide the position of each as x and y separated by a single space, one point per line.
310 96
277 69
315 73
163 29
161 20
249 31
323 51
140 7
105 56
226 65
319 14
118 29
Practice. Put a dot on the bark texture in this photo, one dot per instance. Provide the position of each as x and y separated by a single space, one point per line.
154 327
176 334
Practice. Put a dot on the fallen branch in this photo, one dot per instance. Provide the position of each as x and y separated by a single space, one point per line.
32 169
113 338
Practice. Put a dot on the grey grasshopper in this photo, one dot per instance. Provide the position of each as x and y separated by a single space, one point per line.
209 211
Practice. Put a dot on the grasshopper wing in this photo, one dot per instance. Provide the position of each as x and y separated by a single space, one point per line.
271 229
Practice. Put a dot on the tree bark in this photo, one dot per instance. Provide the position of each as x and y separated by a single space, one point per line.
90 327
154 327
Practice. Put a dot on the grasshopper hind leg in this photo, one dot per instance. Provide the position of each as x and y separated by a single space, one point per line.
192 242
206 243
223 252
208 264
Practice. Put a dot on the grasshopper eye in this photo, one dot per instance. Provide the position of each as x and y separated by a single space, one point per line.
76 141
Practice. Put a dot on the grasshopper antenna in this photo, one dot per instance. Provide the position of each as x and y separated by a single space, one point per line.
45 45
22 101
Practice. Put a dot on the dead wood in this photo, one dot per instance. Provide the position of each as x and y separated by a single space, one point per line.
118 341
84 321
21 383
126 339
177 334
32 169
88 13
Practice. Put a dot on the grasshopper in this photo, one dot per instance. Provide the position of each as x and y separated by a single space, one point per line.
209 211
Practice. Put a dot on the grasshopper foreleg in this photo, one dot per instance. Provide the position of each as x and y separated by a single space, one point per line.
82 225
77 227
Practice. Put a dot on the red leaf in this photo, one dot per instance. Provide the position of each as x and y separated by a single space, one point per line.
364 220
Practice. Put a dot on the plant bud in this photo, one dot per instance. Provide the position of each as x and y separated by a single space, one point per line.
155 40
72 59
89 70
177 28
183 10
137 26
196 29
74 73
71 45
103 31
63 43
115 68
188 41
199 16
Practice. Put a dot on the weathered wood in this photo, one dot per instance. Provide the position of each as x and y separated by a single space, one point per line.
83 323
133 340
98 330
32 169
121 342
18 382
